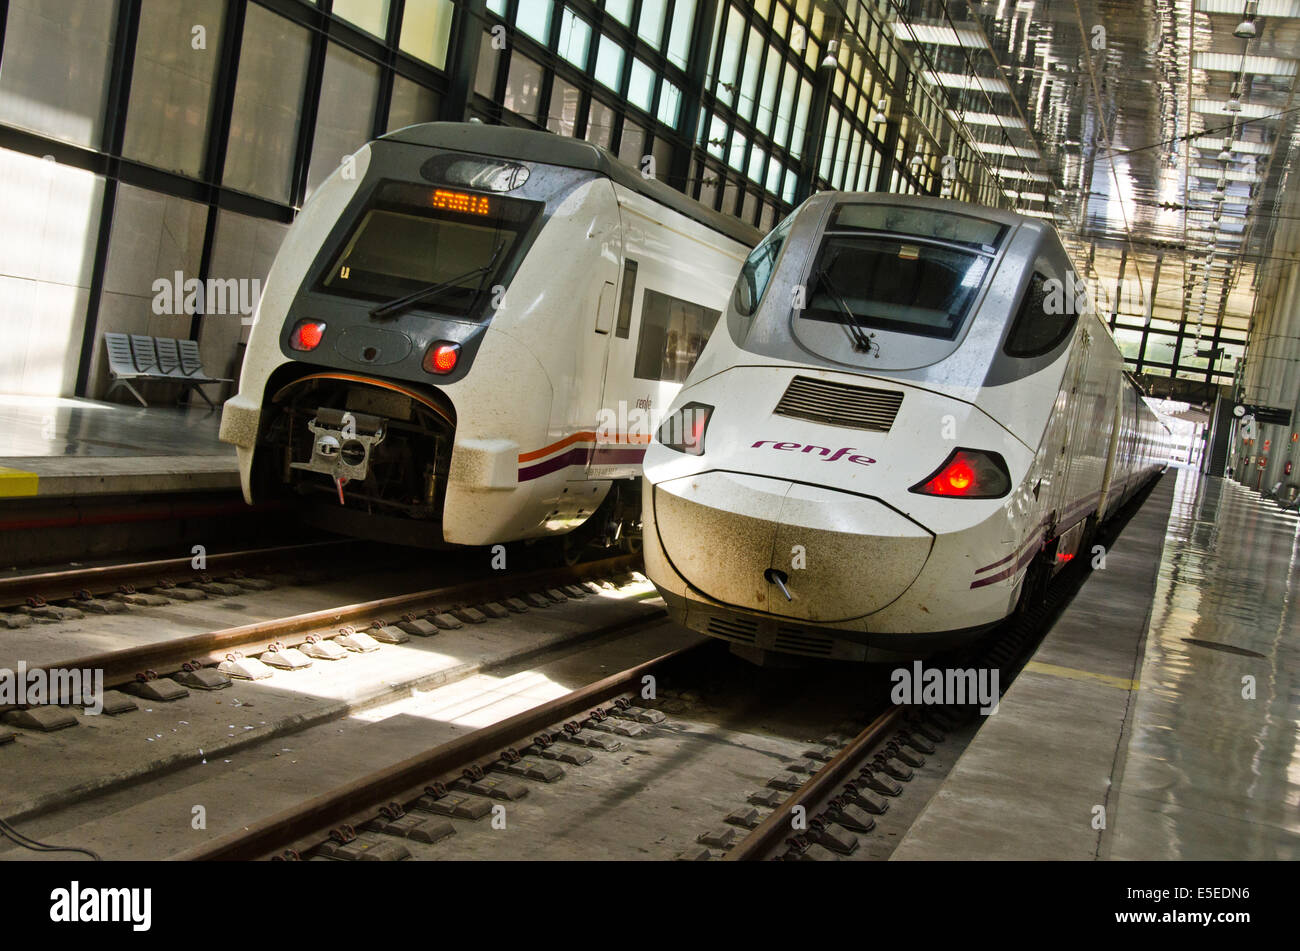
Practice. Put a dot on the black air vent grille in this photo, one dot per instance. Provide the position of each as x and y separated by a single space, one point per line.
802 641
733 629
839 404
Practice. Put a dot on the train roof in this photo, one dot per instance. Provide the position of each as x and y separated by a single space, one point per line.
935 203
530 145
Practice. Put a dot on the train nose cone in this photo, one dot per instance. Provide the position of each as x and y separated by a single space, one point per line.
837 556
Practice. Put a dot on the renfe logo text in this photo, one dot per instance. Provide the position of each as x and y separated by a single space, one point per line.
826 454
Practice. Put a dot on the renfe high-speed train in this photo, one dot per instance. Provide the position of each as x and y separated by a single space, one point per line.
466 333
908 421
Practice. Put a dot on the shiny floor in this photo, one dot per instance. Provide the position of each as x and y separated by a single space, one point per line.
1212 763
1160 717
33 426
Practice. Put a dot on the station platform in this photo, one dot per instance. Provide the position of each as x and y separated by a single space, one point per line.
1158 718
57 448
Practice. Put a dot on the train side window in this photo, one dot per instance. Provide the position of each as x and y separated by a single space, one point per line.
673 332
1045 319
624 325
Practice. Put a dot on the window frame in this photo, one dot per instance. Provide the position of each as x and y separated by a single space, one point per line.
647 311
1022 316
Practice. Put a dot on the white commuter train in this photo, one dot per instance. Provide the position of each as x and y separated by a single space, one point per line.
465 333
906 423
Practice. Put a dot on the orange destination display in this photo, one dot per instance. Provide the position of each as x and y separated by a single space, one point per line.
461 201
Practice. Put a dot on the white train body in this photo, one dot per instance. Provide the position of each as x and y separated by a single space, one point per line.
506 405
884 484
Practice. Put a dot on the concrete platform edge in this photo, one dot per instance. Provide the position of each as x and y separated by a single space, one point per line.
1062 726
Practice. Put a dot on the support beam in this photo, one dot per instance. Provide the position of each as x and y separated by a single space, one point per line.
214 161
697 65
462 59
383 104
310 105
125 33
816 134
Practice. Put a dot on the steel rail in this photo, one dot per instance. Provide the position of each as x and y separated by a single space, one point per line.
773 830
307 824
1018 630
53 585
121 666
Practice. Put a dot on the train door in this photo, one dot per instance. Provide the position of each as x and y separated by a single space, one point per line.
1113 450
623 418
592 294
672 287
1075 450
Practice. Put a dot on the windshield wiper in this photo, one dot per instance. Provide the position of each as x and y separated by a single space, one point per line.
482 281
863 342
401 303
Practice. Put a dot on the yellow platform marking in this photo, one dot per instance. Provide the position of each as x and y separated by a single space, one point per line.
15 483
1069 673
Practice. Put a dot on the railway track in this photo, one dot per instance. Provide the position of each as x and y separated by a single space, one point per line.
568 758
872 763
192 685
416 807
428 775
425 610
23 596
697 774
607 741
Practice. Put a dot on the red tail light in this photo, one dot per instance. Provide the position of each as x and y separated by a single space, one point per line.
441 358
968 474
307 334
684 429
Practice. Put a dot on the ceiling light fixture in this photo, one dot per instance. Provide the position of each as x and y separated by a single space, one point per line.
1246 29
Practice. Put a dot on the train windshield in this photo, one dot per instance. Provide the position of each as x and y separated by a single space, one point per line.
411 238
892 283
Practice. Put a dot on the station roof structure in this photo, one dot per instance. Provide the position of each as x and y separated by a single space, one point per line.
1159 136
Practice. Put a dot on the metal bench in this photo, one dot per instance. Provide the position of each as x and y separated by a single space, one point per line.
141 357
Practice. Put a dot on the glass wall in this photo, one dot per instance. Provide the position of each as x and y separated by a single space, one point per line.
426 30
263 136
172 83
47 246
411 103
229 113
243 248
1157 331
55 68
153 237
346 115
